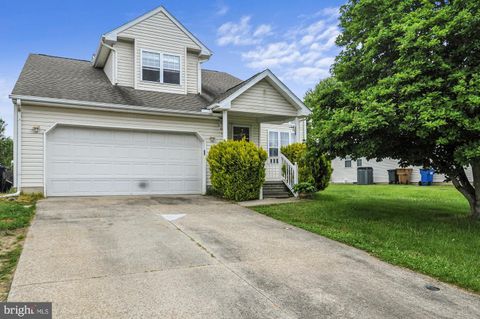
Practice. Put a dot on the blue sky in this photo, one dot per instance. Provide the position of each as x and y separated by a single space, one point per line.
295 39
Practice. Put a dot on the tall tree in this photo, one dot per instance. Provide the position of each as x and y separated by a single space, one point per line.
406 85
6 146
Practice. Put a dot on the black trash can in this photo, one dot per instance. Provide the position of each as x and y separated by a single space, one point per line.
392 176
3 179
364 175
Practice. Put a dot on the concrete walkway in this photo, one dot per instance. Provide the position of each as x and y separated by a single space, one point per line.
197 257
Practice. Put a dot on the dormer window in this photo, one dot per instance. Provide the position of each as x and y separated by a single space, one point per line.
171 69
150 66
160 67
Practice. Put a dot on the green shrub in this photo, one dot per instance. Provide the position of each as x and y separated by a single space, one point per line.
237 169
294 152
304 187
313 167
320 167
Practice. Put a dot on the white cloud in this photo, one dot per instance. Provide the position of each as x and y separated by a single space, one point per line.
273 54
331 12
302 54
262 30
222 9
6 106
240 33
306 74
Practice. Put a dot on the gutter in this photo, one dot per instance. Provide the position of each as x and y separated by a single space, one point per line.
16 149
45 101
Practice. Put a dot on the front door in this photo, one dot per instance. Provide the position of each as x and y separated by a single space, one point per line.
241 132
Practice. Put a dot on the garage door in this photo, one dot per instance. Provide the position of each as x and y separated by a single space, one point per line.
86 161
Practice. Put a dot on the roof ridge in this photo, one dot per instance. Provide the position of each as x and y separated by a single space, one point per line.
243 82
59 57
210 70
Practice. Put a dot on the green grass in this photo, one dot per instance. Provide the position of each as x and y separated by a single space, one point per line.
421 228
15 217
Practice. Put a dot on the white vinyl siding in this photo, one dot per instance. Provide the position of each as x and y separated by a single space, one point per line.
342 174
192 73
159 33
263 98
125 60
108 68
46 117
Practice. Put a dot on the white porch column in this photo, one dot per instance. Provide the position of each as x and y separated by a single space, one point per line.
297 130
225 125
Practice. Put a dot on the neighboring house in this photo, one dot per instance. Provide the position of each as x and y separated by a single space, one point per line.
141 116
345 170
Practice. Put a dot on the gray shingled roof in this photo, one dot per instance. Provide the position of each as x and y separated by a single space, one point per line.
215 83
70 79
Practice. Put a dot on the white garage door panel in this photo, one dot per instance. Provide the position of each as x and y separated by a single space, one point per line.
90 161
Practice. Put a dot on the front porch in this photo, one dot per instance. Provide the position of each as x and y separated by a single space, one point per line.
270 132
250 107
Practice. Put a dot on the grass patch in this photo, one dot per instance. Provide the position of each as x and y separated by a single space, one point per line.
15 217
421 228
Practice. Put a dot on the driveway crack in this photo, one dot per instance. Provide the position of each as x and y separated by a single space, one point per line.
267 297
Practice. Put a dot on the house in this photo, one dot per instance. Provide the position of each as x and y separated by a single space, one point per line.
345 170
141 116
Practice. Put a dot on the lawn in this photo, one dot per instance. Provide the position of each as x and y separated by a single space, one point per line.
421 228
15 217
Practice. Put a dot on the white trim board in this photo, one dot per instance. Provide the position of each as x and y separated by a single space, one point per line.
100 106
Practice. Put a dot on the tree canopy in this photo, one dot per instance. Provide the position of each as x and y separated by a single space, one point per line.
6 146
406 85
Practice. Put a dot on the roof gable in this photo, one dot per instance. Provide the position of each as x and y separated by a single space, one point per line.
225 100
156 13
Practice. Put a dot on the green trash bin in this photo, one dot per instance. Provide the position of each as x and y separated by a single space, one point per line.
392 176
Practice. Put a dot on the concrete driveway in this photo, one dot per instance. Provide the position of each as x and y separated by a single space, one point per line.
120 258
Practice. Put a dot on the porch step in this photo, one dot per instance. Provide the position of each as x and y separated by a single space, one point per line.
276 190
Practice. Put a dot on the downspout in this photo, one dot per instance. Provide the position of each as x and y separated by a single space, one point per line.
17 138
114 61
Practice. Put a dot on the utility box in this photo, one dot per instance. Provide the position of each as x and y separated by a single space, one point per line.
364 175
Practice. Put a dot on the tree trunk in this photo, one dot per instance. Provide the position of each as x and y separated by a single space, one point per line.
469 191
475 206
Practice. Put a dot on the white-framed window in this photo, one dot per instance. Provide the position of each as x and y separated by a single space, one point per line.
277 139
160 67
151 66
171 69
359 162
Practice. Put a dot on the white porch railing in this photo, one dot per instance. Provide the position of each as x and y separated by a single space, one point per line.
273 169
289 173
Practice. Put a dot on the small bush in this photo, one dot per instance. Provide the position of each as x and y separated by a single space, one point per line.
320 167
237 169
313 167
294 152
305 187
